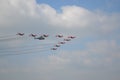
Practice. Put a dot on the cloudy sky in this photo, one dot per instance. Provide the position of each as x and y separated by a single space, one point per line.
93 55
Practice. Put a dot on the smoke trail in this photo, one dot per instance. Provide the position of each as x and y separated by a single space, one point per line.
25 52
24 49
6 36
11 38
26 46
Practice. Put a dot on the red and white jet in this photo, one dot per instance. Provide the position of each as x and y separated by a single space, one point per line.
45 35
53 48
61 43
20 34
67 39
57 45
60 36
72 37
33 35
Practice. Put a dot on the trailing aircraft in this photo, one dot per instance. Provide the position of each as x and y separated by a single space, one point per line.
61 43
33 35
45 35
60 36
20 34
67 39
72 37
57 45
53 48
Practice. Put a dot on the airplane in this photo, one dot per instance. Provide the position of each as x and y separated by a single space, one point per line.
60 36
72 37
53 48
45 35
40 38
33 35
57 45
67 39
61 43
21 34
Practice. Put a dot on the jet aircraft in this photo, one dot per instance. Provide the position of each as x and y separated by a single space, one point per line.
20 34
60 36
33 35
40 38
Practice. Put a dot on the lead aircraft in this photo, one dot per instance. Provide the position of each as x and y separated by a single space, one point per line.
40 38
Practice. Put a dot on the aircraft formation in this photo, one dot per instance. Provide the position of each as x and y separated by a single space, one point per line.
42 47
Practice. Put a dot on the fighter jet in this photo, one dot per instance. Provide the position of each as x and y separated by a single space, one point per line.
40 38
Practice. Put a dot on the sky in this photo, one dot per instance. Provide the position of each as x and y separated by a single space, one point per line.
93 55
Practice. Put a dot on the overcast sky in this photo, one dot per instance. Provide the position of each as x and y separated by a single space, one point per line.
93 55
